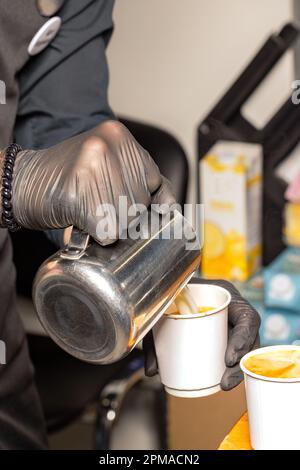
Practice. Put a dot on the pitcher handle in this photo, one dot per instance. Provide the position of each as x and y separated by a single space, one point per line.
77 245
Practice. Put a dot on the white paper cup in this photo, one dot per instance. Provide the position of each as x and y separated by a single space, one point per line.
191 349
273 407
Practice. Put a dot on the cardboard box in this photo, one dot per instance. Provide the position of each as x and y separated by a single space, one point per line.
279 326
203 423
282 281
253 289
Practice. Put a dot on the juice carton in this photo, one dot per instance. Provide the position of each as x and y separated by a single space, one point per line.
292 224
231 191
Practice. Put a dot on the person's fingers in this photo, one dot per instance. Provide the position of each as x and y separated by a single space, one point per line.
153 175
121 142
164 196
245 321
67 234
104 228
256 344
151 367
232 377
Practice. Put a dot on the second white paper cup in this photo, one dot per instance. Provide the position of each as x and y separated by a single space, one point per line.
273 407
191 349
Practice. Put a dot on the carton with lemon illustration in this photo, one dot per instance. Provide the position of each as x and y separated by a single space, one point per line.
231 191
292 224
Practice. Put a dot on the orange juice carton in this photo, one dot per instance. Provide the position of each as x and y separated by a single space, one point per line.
292 224
231 192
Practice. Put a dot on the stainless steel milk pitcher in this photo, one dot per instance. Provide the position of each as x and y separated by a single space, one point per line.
98 302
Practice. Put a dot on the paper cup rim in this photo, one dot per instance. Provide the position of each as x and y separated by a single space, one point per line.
211 312
256 352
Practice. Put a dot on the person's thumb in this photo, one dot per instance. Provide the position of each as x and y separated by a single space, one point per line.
164 196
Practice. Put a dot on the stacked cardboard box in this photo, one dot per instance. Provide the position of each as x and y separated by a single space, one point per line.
275 293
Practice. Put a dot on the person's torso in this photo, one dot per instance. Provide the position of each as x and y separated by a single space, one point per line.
24 21
19 22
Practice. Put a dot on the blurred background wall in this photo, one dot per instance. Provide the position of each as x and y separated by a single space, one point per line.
170 60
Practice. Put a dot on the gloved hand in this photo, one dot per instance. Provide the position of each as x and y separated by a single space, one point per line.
244 324
66 184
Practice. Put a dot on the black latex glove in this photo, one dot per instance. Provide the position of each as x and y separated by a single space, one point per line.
244 323
69 183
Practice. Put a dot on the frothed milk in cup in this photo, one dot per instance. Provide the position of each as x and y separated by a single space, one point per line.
191 340
277 364
185 304
272 382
